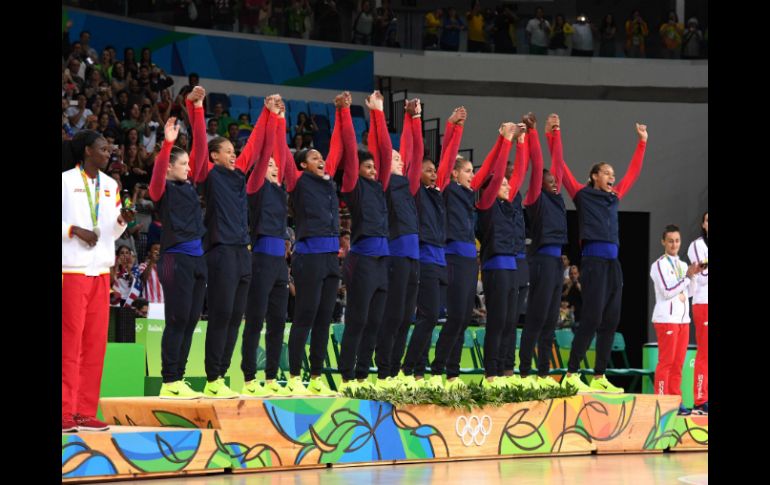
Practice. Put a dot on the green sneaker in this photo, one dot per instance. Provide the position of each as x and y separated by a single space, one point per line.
272 388
435 382
603 385
575 380
530 382
178 390
387 383
296 387
514 381
254 389
487 384
546 383
455 384
409 382
218 390
348 385
318 387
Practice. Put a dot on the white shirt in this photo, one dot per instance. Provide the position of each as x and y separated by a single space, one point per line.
539 36
669 285
73 110
583 38
76 255
699 252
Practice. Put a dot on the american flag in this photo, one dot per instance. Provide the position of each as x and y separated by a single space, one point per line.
153 291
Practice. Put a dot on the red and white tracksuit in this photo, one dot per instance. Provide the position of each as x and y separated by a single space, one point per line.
699 251
86 289
671 318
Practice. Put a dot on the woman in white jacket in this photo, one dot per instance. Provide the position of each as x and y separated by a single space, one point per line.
92 219
674 282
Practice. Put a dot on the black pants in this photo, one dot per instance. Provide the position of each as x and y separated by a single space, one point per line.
547 276
501 298
316 278
461 294
229 279
183 279
366 280
403 279
508 350
268 300
432 277
602 283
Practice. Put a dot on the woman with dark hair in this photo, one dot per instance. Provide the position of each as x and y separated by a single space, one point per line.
306 127
698 252
226 243
129 59
548 230
636 31
314 264
92 219
146 58
557 45
182 268
597 206
607 33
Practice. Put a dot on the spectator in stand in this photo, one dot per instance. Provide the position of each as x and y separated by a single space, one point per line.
432 25
384 25
232 135
297 15
78 114
299 144
244 122
306 127
212 129
363 24
120 77
263 19
671 36
159 81
557 45
129 60
328 20
136 94
138 170
105 65
538 30
249 16
144 208
141 307
607 37
583 37
636 31
133 120
152 290
450 33
146 58
344 244
88 51
477 41
124 275
565 263
692 40
572 292
504 32
91 86
566 315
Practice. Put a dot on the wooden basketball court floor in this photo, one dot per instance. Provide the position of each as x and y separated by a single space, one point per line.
631 469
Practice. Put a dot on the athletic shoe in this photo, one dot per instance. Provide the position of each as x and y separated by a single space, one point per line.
272 388
701 409
254 389
178 390
603 385
409 382
683 411
530 382
68 424
318 387
435 382
387 383
576 382
90 423
296 387
218 390
546 383
454 384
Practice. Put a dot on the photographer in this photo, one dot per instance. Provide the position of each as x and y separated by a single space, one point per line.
538 30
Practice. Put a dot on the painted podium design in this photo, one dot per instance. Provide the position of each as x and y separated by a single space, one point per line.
154 437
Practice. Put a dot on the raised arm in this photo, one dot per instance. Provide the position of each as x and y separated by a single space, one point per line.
253 149
199 155
334 156
558 166
635 167
501 151
349 146
287 170
158 180
418 150
257 176
536 155
450 146
520 165
379 139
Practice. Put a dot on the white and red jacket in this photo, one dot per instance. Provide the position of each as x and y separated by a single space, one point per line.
76 255
669 284
699 252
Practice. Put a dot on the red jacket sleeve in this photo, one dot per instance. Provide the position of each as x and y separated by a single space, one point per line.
158 181
555 147
449 148
253 148
418 152
486 166
287 170
559 167
335 146
634 170
382 147
519 169
257 176
349 151
199 155
503 149
536 178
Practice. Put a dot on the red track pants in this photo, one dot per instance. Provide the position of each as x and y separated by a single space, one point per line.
672 349
701 378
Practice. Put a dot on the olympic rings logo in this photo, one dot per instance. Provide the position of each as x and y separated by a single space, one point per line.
472 430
